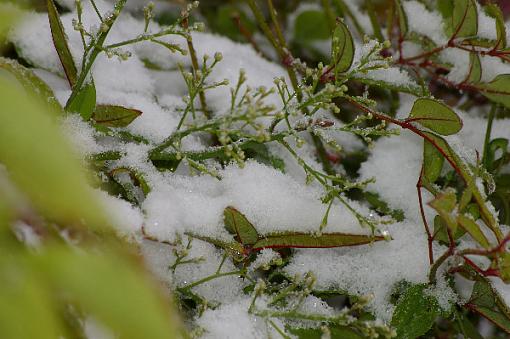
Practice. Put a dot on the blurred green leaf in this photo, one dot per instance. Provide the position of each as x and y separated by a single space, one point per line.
465 18
32 83
224 22
41 163
112 289
114 116
26 309
8 16
60 41
435 116
311 25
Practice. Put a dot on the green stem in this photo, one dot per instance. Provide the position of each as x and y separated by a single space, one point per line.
437 264
145 37
211 153
209 278
488 132
96 48
196 68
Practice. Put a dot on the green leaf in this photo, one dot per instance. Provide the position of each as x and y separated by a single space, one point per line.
504 266
494 11
474 230
60 41
112 288
465 172
465 18
133 183
402 18
41 163
311 25
32 83
466 327
305 240
224 22
433 162
435 116
497 146
233 248
465 199
261 153
84 102
498 90
23 297
444 203
237 224
342 48
440 233
317 333
488 303
415 312
8 16
114 116
445 7
475 69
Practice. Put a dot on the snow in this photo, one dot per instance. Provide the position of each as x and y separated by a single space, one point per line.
231 322
486 25
81 134
258 191
425 22
392 75
460 61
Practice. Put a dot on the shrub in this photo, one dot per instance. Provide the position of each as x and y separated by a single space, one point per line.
339 169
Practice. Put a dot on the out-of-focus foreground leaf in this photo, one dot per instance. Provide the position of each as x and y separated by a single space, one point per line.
41 163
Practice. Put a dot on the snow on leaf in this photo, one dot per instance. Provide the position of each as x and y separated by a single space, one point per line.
415 312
